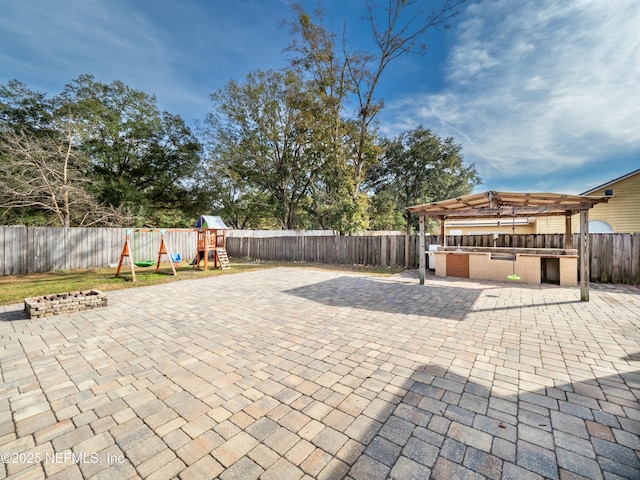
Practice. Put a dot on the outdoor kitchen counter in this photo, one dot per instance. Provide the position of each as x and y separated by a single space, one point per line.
532 265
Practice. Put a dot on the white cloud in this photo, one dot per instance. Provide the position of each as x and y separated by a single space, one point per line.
60 40
535 87
179 51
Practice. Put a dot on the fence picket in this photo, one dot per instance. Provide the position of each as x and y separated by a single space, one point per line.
606 257
626 258
617 259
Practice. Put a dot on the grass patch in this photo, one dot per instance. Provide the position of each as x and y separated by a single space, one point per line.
15 288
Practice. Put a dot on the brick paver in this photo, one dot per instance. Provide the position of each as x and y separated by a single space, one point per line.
297 373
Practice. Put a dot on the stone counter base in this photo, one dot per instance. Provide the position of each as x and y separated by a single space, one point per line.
48 305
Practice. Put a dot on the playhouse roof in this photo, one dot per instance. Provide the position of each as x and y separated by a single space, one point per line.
210 221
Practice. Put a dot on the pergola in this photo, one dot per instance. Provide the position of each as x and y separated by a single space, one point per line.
498 205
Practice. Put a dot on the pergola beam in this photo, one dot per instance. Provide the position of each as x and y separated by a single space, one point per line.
492 202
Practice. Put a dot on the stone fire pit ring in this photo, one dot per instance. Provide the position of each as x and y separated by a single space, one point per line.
60 303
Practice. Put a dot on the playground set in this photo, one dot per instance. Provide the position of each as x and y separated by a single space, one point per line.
211 241
211 238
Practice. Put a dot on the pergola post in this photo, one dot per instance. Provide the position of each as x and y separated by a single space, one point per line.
568 236
421 250
443 238
584 255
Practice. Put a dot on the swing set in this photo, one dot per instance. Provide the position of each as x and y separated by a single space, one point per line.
135 245
210 239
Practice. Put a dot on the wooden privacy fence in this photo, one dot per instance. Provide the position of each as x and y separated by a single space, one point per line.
50 249
360 250
615 257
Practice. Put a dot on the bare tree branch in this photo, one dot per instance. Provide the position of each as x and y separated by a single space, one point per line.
45 173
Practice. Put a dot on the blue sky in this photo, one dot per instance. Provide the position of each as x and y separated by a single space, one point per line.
542 94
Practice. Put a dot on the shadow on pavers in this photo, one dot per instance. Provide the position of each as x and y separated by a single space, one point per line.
376 294
633 357
451 302
11 314
447 427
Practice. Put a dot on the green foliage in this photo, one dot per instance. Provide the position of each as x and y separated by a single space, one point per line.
142 159
172 218
420 167
345 81
240 204
44 173
264 146
31 217
25 110
296 148
104 153
385 214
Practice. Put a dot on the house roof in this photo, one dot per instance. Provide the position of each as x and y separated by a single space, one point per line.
492 204
611 182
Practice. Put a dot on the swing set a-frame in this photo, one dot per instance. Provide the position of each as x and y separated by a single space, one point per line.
211 239
130 247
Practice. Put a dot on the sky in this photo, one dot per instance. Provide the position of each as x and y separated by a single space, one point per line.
543 95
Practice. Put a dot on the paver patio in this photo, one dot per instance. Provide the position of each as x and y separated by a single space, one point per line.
299 373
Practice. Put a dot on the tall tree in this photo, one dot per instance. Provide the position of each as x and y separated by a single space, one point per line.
142 159
263 132
241 203
44 173
351 75
25 110
136 158
420 167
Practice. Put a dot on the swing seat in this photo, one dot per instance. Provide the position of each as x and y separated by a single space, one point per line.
176 257
147 263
